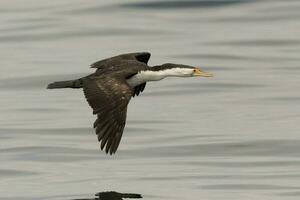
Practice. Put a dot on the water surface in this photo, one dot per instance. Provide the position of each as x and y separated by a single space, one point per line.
235 136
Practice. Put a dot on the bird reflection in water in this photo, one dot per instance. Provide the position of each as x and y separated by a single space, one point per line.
113 196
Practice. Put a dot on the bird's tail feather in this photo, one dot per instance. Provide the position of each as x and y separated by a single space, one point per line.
65 84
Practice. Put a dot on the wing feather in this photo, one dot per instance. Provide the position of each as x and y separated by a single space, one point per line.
139 89
142 57
108 96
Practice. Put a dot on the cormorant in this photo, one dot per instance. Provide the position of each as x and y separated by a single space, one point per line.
117 79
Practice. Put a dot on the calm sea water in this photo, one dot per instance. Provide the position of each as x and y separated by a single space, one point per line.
235 136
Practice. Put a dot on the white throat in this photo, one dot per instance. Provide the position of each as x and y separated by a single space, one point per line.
145 76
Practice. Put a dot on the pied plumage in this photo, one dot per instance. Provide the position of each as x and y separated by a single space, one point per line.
109 90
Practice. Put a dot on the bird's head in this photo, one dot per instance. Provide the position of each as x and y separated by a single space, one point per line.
180 70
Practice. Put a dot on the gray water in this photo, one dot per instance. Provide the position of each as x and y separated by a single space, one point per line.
234 136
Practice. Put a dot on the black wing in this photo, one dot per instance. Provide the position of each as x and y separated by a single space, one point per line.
109 97
116 60
139 89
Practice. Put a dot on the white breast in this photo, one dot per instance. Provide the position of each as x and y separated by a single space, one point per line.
145 76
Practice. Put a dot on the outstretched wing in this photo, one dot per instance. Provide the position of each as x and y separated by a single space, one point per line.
108 96
138 56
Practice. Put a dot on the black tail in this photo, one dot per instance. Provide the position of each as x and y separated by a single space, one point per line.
66 84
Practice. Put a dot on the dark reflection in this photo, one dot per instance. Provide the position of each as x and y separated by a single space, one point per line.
183 4
114 196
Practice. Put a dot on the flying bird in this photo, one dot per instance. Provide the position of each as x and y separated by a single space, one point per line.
116 80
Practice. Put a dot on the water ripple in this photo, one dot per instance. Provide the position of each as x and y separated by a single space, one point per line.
34 82
248 187
183 4
122 32
259 43
199 89
272 148
257 18
236 57
217 86
11 172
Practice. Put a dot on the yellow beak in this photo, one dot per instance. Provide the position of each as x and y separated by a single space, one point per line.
198 72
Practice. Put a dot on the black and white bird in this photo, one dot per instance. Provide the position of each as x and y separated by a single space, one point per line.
117 79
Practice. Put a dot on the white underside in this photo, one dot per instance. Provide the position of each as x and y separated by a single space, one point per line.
145 76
